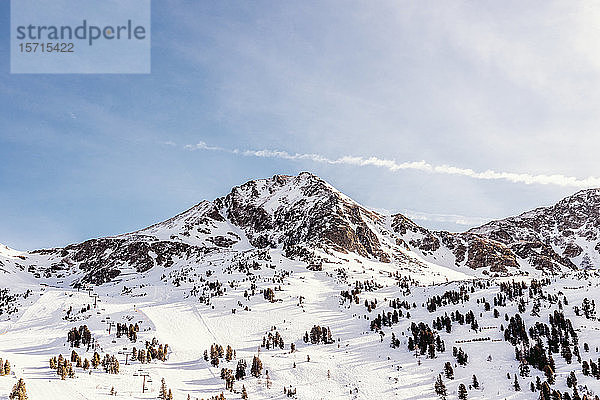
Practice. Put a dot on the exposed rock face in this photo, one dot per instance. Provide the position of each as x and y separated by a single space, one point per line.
101 260
469 250
565 233
302 210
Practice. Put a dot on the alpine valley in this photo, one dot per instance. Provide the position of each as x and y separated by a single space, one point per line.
287 288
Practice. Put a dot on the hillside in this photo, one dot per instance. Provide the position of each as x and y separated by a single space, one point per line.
318 298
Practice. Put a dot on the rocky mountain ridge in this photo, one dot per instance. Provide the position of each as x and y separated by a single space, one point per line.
308 219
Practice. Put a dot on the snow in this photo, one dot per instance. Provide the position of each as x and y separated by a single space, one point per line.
357 362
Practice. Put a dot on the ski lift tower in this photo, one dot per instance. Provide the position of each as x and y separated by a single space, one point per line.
146 378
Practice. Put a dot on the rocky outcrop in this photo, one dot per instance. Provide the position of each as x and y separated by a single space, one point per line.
469 250
101 260
572 226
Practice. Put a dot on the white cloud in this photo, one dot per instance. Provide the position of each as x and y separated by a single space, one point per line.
462 220
424 166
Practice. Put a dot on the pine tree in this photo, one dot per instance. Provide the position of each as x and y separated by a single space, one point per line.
571 380
95 360
448 371
524 369
6 368
256 369
19 392
240 371
516 384
549 374
462 392
440 388
163 393
244 393
545 391
475 382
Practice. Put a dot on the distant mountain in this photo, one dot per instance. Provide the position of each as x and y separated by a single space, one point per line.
567 232
307 219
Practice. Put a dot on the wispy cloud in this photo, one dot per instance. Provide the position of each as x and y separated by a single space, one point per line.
424 166
446 218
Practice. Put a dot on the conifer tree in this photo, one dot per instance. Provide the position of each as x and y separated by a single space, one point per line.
440 388
19 392
475 382
516 384
448 371
545 391
163 393
240 371
462 392
571 380
95 360
256 369
549 374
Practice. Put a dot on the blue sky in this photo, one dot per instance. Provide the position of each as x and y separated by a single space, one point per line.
506 87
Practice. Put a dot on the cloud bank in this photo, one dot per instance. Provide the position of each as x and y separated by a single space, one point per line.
424 166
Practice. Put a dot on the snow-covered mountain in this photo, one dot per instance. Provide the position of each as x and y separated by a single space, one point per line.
310 220
567 232
317 297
